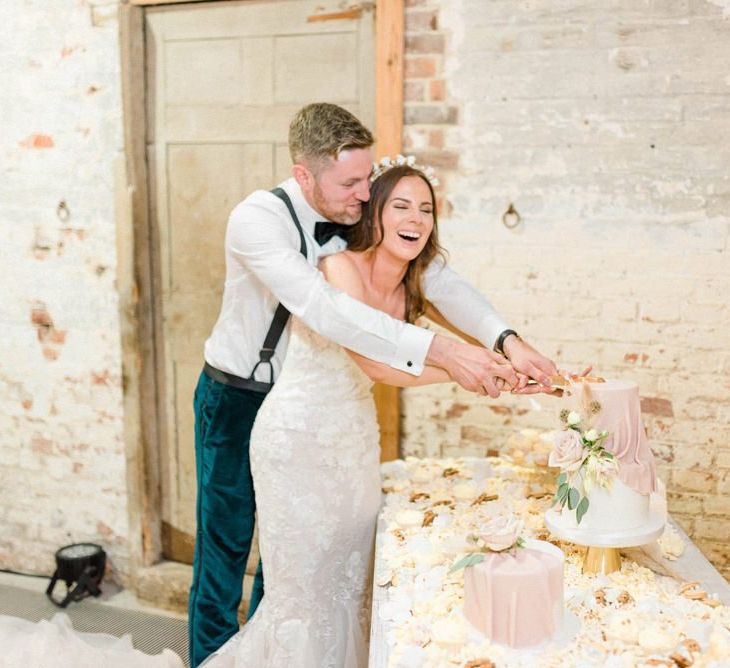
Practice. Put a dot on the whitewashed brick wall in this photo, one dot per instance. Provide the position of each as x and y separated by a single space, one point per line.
605 124
62 461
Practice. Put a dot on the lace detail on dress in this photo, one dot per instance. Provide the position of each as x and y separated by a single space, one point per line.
315 460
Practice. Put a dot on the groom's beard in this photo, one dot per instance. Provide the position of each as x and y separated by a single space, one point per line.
337 213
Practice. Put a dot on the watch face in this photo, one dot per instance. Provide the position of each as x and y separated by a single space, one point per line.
78 551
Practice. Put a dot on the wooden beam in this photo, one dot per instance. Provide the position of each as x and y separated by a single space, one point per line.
148 3
389 44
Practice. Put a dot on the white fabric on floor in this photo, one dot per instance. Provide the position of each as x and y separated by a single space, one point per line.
55 644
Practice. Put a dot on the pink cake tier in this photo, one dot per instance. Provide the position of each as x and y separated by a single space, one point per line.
620 415
516 597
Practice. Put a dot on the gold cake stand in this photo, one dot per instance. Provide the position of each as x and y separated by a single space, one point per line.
601 559
603 548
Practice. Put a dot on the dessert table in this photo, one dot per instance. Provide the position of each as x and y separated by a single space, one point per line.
633 617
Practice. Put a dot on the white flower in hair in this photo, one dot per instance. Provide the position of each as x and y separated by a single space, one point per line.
386 163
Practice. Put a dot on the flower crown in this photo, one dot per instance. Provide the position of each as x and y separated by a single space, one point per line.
386 163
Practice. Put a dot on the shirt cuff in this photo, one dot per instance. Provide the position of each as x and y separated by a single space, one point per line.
490 328
413 346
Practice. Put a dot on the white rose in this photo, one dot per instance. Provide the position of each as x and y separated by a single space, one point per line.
622 626
409 518
573 418
568 451
591 435
464 491
656 639
500 533
448 632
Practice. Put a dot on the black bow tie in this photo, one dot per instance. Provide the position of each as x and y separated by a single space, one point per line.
324 231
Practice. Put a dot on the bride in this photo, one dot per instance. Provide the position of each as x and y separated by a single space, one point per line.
315 452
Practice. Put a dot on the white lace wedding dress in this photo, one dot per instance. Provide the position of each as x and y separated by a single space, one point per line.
315 462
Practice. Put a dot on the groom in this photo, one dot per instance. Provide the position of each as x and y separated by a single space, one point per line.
271 258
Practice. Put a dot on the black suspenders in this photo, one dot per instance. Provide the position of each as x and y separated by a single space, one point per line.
281 316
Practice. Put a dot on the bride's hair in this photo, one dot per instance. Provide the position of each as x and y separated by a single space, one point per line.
363 236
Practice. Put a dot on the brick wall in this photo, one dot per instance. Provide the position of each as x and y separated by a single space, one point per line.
601 124
602 128
62 461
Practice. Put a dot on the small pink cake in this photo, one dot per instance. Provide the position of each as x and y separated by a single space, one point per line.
516 597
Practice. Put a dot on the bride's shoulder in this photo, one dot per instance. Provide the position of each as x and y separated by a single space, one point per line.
341 270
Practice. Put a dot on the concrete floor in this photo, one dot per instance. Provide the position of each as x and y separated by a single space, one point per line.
111 594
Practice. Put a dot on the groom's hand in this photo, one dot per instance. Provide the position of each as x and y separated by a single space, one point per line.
475 368
529 363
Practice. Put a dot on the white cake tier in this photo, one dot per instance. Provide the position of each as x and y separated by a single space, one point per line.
618 509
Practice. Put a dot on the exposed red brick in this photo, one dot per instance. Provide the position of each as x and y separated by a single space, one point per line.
420 67
631 358
100 378
37 141
443 205
414 91
40 317
431 114
57 336
77 466
436 139
657 406
92 89
421 21
41 445
27 404
501 410
437 90
492 452
104 531
425 43
439 159
51 354
66 51
456 410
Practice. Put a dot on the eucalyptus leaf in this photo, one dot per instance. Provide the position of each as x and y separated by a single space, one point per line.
562 493
563 477
465 562
573 498
582 509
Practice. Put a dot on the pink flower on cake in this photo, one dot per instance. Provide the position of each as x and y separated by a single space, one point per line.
501 533
568 451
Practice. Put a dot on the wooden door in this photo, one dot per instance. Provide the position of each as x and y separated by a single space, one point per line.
224 80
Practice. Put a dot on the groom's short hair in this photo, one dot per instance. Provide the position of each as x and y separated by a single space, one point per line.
322 130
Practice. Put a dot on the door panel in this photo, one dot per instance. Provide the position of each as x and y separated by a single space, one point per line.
224 80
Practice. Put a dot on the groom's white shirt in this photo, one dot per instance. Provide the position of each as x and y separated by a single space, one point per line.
264 267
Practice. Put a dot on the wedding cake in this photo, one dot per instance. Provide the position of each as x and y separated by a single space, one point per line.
607 470
513 588
516 597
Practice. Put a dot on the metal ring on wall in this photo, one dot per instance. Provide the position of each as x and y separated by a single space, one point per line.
62 211
511 218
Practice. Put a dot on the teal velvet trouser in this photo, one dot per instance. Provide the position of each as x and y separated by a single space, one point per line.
225 508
